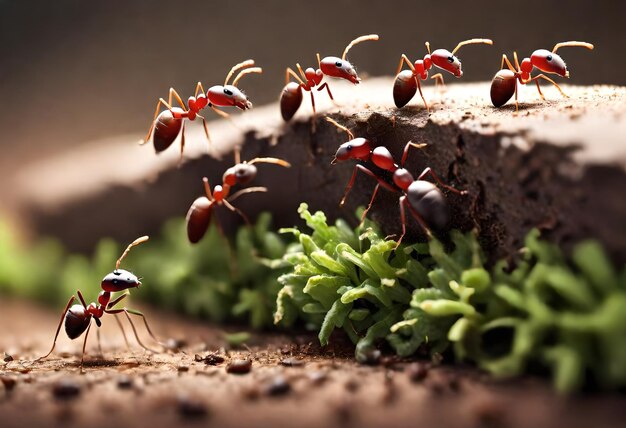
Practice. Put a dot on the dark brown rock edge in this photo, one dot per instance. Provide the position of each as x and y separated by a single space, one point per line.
559 165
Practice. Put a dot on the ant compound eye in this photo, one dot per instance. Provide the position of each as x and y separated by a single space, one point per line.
115 281
338 64
349 147
549 57
228 92
450 59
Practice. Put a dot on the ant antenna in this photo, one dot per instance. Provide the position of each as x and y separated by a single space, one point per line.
237 152
472 42
246 63
274 161
247 71
581 44
207 188
428 47
357 41
126 251
343 128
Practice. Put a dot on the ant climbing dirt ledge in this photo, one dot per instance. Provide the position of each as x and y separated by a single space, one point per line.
556 165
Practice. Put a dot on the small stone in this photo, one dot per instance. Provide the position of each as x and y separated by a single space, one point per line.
7 358
318 378
175 344
124 382
191 408
370 357
277 386
182 368
209 359
66 389
417 372
292 362
239 366
8 382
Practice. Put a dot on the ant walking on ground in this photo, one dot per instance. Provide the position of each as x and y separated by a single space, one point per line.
77 318
408 81
168 124
291 97
504 83
424 201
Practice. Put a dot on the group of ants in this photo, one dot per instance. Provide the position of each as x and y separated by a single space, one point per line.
423 200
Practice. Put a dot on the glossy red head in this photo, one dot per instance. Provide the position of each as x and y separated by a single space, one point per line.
358 149
549 62
242 173
336 67
445 60
119 280
228 96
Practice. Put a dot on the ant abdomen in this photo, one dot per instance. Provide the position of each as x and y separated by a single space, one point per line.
428 201
290 100
404 88
198 219
77 320
166 129
502 87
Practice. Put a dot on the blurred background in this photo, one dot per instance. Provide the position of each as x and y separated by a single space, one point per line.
72 72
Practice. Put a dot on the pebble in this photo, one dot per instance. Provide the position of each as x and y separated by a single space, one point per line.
318 378
191 408
209 359
239 366
417 372
124 382
370 357
7 358
292 362
66 389
277 387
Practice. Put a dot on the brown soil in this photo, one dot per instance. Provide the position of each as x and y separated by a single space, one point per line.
291 382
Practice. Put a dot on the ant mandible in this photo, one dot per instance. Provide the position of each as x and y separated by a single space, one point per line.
169 123
504 83
77 318
199 214
408 81
422 198
291 97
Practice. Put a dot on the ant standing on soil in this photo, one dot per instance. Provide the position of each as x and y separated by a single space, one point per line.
408 81
199 214
168 124
78 317
422 198
291 97
504 83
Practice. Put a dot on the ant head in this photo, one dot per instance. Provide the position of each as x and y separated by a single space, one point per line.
241 173
119 280
549 62
340 68
227 96
446 60
359 149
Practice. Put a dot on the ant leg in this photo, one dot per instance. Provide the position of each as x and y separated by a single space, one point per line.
198 87
539 89
405 153
439 82
325 85
405 59
358 168
156 114
369 206
56 335
220 112
516 101
99 343
290 72
517 67
119 323
117 300
313 118
125 311
301 72
82 358
206 132
145 321
543 76
508 64
429 171
238 211
419 86
182 143
82 299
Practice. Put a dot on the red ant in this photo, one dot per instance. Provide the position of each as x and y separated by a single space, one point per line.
291 97
78 317
168 124
199 214
504 83
423 199
408 81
